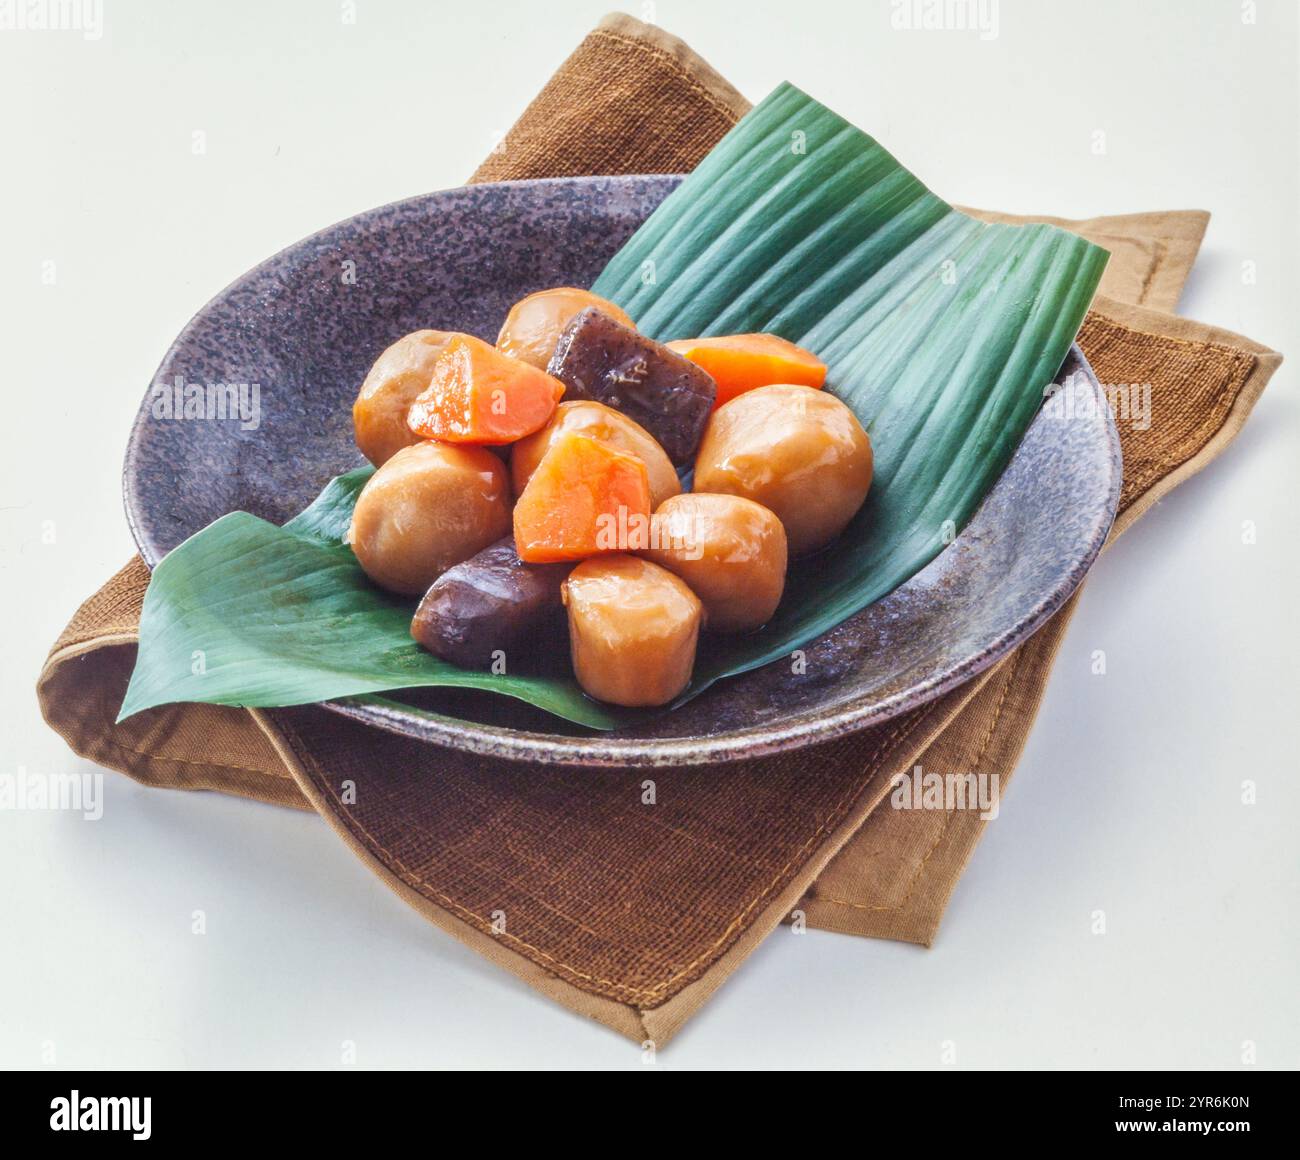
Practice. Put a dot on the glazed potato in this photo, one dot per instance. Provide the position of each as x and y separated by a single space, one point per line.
633 627
398 376
798 451
730 551
605 425
534 323
428 508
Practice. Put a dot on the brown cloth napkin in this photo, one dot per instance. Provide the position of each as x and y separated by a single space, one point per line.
631 913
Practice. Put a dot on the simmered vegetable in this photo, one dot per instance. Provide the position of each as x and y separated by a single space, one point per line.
608 426
781 468
730 551
741 362
599 358
799 451
533 325
478 612
479 395
584 498
633 627
400 374
428 508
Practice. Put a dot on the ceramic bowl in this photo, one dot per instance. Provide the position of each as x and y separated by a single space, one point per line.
304 327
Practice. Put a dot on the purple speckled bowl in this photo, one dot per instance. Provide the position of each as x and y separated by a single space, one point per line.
305 326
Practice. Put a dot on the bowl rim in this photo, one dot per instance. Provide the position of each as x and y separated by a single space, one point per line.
609 749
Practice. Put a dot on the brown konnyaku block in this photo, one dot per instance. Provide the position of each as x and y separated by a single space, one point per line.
598 358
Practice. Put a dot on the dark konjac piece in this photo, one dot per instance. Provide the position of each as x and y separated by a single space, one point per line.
598 358
491 603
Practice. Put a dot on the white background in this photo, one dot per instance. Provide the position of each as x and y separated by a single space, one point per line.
1128 799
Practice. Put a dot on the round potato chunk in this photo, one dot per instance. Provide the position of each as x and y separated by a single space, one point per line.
730 551
798 451
533 326
605 425
633 628
401 373
430 507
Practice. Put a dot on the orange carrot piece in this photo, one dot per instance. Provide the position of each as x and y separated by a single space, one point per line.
479 395
585 498
741 362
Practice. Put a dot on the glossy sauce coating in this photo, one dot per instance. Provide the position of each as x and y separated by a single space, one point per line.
489 607
730 551
480 396
633 628
599 358
534 324
400 374
744 362
585 498
798 451
428 508
602 423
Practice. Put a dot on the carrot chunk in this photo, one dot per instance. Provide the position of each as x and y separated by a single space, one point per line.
585 498
741 362
479 395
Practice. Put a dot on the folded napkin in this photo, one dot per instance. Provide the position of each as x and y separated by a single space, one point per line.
631 913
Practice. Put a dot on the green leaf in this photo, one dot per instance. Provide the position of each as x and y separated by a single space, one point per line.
941 332
245 613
